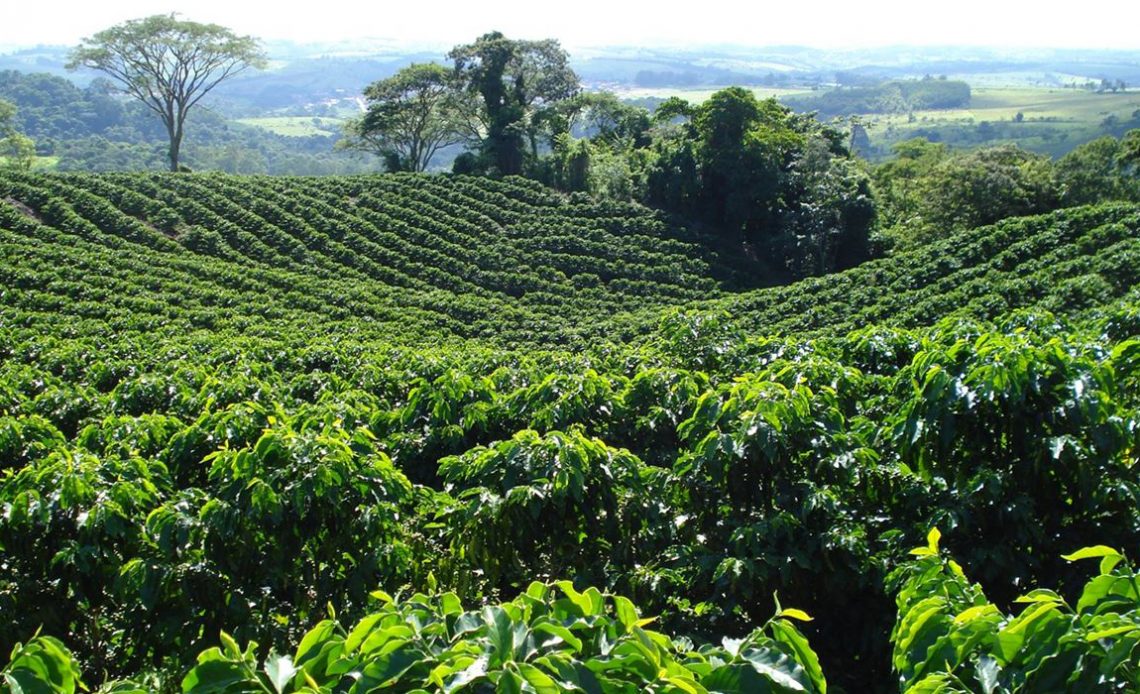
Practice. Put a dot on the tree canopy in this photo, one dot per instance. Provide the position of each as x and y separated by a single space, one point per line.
761 174
17 149
169 64
410 116
516 80
1096 171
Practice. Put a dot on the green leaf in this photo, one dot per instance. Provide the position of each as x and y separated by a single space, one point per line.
43 664
387 666
380 640
1040 595
1091 553
591 602
1114 631
450 604
932 539
728 679
731 646
1096 590
214 676
509 683
764 671
230 645
361 631
537 590
561 632
501 633
1109 562
787 634
542 682
686 684
477 669
313 640
1014 636
597 601
776 667
625 611
972 613
123 687
925 614
793 613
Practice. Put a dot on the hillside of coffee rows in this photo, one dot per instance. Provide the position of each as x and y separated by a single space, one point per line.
421 255
426 257
397 427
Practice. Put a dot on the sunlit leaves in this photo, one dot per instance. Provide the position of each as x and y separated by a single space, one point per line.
947 629
552 638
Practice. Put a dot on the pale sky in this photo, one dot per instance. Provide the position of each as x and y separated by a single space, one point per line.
818 23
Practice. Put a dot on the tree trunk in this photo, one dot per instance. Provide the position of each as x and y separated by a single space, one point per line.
174 129
174 147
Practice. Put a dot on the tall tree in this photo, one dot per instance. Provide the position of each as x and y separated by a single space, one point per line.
410 116
17 149
515 80
168 64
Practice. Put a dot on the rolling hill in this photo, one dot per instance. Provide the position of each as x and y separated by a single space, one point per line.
264 410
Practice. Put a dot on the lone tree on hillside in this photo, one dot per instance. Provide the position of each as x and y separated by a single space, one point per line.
410 116
168 64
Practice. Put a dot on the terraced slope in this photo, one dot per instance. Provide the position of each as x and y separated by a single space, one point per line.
421 256
221 410
1065 262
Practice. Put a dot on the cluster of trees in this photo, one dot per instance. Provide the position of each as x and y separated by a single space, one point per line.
929 191
52 108
166 65
751 170
779 181
756 174
499 99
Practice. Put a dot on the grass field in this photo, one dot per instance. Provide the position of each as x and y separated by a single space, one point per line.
40 163
1053 120
296 126
1066 105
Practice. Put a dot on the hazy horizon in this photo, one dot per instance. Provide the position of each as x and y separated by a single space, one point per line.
830 24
